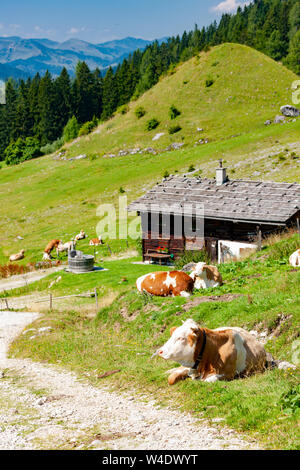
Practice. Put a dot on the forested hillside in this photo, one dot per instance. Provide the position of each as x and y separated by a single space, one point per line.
38 109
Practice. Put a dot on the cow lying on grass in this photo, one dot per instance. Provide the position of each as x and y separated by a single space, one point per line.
295 259
206 276
212 355
96 242
17 256
163 284
80 236
178 283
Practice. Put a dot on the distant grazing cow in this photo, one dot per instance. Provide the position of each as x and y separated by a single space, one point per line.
80 236
96 242
65 247
18 256
163 284
295 259
212 355
206 276
49 248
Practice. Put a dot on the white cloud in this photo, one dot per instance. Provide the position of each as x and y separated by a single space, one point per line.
229 6
41 31
73 31
77 30
14 27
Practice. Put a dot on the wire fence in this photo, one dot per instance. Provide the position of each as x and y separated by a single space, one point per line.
7 302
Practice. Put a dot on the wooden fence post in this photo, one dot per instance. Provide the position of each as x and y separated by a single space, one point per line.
51 303
96 296
222 252
298 225
6 302
259 237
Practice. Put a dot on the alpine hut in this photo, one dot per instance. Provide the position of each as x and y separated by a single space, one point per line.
226 217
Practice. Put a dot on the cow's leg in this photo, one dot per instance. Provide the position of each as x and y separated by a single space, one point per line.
178 374
185 294
214 378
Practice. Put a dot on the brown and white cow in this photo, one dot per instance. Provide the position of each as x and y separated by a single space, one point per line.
17 256
212 355
80 236
295 259
206 276
163 284
65 246
178 283
96 242
49 248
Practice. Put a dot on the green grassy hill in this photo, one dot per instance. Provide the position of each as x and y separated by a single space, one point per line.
248 89
45 198
48 197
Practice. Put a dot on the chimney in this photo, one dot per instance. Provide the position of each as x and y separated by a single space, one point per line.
221 176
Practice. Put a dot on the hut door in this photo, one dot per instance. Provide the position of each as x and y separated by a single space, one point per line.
211 245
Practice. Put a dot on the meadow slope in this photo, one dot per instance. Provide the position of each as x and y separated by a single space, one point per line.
45 198
50 197
262 295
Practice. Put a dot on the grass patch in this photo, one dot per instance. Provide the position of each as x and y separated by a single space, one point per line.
126 333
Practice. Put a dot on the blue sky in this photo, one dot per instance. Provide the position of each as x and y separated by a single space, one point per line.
103 20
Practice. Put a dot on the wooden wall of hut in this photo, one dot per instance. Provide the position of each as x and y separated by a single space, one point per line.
158 231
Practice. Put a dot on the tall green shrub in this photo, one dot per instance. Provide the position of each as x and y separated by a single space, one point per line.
174 112
152 124
192 257
21 150
71 129
140 112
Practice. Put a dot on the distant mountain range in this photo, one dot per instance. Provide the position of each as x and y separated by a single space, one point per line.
21 58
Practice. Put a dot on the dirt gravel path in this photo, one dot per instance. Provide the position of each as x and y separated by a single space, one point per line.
46 407
22 280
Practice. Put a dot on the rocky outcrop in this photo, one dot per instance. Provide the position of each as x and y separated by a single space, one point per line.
279 120
290 111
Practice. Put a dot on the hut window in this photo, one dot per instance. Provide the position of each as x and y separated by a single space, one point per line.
194 224
172 224
160 224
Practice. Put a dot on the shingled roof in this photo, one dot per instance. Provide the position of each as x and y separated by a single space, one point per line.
237 200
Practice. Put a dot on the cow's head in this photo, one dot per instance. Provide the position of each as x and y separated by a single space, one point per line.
197 274
181 346
198 270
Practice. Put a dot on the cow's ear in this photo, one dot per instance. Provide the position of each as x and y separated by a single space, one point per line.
173 329
193 337
196 331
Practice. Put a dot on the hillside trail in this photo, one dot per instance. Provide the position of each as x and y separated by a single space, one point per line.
22 280
46 407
